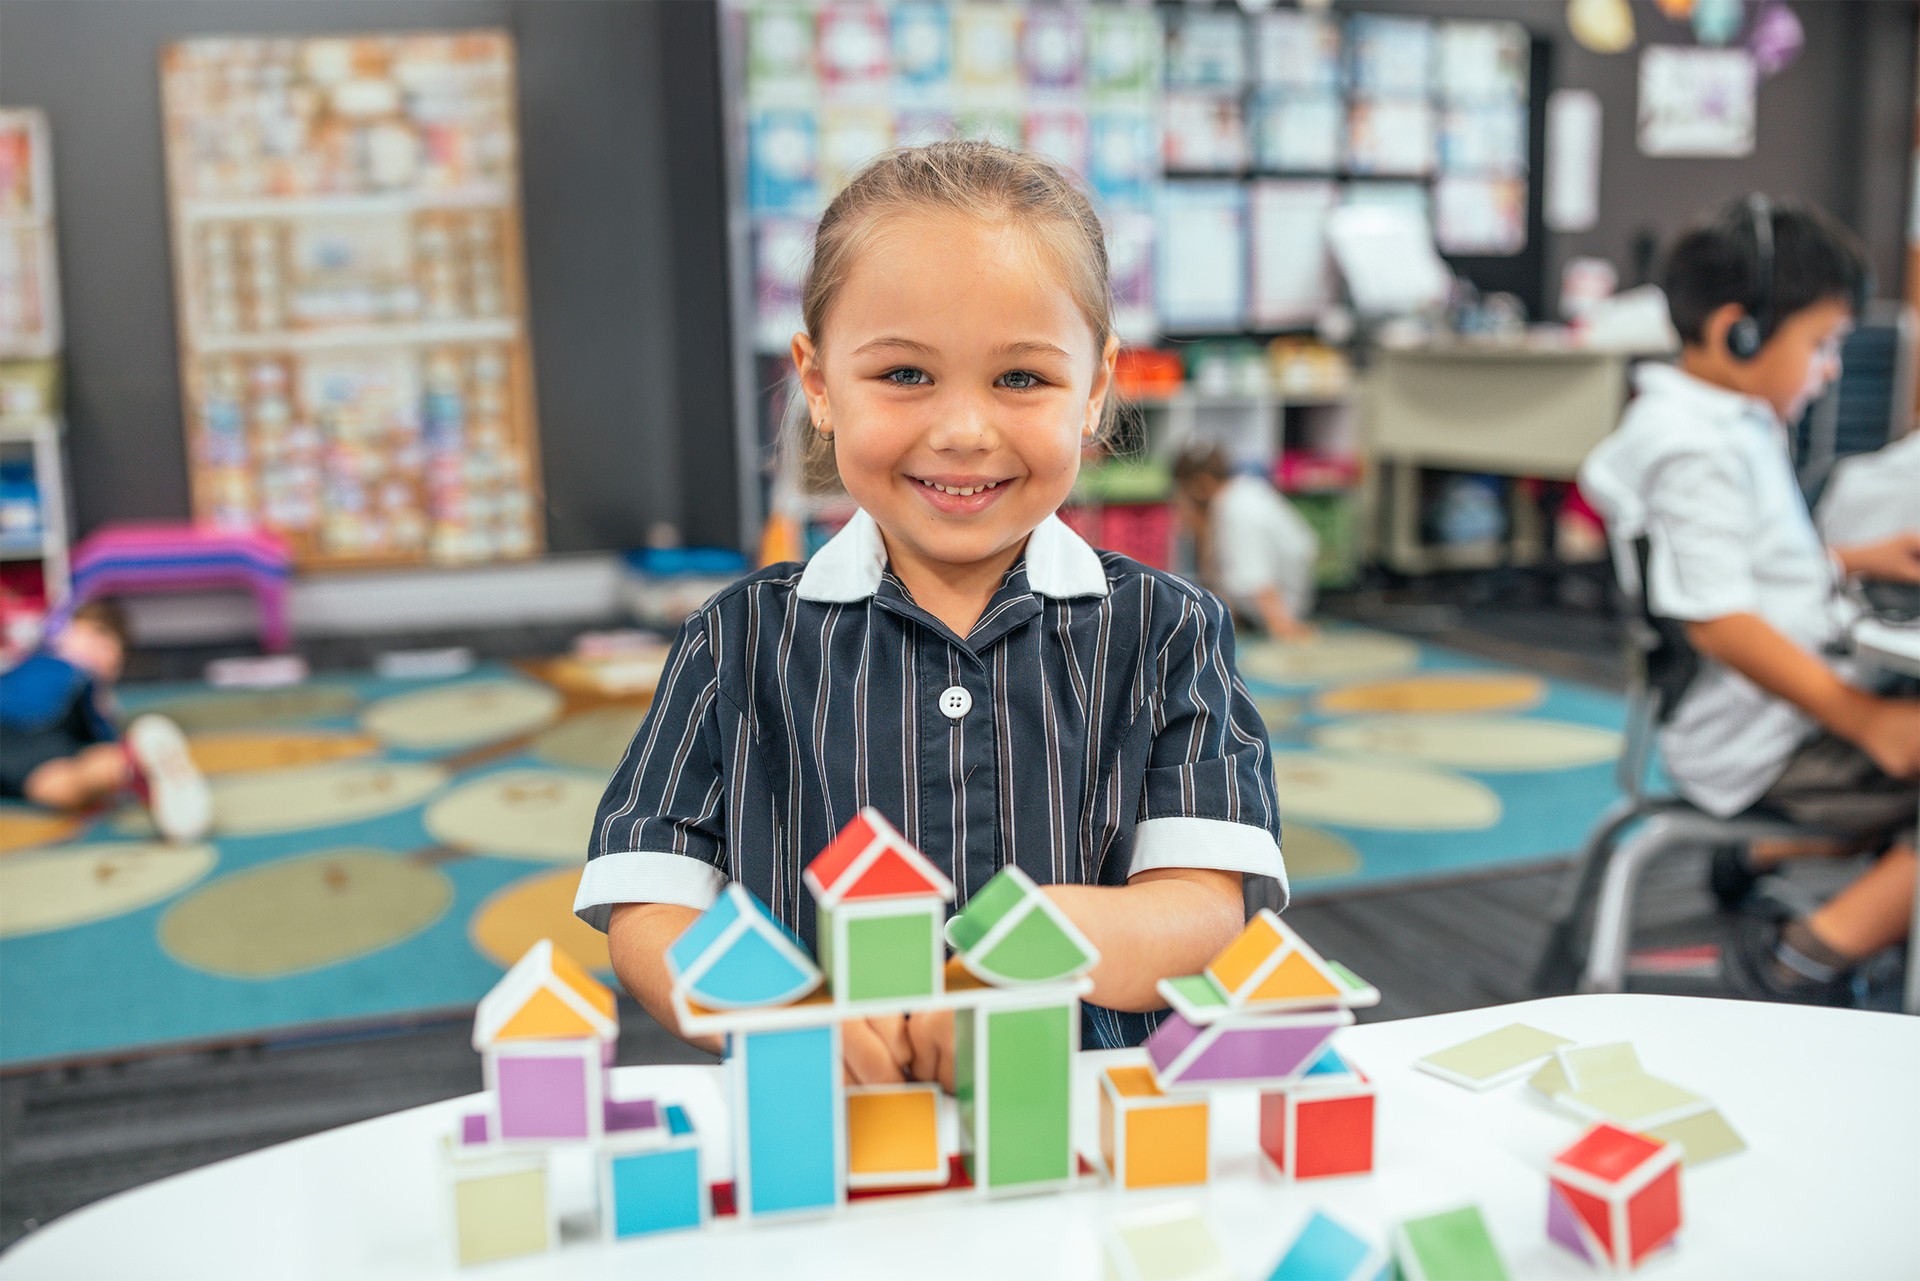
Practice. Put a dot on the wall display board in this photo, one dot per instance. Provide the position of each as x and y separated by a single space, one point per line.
29 284
350 287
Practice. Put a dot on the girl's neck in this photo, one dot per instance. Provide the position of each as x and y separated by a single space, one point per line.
955 594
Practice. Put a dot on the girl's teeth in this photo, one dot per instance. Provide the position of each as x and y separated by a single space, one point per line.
966 491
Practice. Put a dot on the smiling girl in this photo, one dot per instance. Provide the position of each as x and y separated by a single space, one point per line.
955 657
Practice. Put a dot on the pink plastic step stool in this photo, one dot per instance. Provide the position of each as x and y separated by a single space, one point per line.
124 560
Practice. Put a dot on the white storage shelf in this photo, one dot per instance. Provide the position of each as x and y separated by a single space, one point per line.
39 435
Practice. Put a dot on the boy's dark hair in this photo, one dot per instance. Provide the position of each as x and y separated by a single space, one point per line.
1201 460
105 615
1815 259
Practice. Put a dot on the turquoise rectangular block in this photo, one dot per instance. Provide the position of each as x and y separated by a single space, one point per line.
791 1142
656 1191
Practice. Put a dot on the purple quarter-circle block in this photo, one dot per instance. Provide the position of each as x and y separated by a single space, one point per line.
630 1114
543 1098
1564 1226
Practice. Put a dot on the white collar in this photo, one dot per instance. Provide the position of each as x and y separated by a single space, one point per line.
1673 380
1059 563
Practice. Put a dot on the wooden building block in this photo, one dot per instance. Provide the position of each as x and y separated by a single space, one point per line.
1453 1245
1150 1139
1327 1250
545 996
790 1123
1614 1197
1169 1242
651 1182
883 949
1271 1050
893 1136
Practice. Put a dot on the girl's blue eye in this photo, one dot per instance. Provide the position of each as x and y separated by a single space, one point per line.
906 377
1020 380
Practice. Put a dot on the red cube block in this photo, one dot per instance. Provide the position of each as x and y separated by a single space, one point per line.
1614 1196
1317 1129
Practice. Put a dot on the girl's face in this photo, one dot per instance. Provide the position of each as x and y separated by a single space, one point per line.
958 380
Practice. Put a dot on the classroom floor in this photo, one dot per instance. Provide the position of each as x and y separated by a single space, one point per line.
71 1136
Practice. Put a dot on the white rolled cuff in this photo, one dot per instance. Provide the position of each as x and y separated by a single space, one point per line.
644 876
1207 842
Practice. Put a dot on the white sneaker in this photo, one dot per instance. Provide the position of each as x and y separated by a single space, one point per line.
177 793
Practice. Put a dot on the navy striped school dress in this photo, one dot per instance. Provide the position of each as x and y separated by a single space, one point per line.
1092 726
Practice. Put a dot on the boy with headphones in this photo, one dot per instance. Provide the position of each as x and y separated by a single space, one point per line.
1776 718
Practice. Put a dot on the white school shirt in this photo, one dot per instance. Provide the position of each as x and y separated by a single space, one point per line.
1260 541
1706 474
1873 497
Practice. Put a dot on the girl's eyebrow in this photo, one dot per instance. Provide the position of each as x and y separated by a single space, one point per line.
1026 348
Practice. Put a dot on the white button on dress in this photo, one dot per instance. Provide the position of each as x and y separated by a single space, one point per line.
955 702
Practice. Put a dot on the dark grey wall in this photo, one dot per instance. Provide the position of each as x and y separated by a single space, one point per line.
625 261
1834 128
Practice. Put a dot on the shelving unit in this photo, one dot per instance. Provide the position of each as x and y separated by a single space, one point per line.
351 293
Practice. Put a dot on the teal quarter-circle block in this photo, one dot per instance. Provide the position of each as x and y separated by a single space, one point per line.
983 911
792 1156
752 971
890 956
703 933
656 1191
1324 1251
1034 950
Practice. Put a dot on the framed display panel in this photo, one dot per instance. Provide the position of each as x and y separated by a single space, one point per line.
350 288
29 282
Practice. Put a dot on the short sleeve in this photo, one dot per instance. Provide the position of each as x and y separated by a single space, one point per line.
1209 795
1700 557
659 835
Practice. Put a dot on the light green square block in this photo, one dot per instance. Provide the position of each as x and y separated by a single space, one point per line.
501 1216
890 956
1454 1246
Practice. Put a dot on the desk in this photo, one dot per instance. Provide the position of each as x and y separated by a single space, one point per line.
1898 650
1825 1099
1511 410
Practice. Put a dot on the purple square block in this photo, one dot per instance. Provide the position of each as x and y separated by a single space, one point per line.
1258 1053
1563 1225
474 1128
631 1114
543 1098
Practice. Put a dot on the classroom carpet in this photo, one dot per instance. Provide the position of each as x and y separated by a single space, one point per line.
385 848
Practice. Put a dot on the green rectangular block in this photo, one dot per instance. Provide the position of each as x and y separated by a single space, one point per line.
890 956
1029 1067
1450 1246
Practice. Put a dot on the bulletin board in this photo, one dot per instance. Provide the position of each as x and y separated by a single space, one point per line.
29 284
350 288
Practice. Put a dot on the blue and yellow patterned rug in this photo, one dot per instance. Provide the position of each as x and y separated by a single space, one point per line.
385 848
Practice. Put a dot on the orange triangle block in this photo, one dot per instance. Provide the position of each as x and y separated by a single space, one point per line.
545 1017
1295 978
590 989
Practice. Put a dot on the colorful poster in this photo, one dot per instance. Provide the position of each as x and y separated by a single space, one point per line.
855 55
779 52
986 51
1481 61
1124 158
782 161
1061 136
922 55
1298 51
1051 49
1200 274
1389 57
1696 102
1205 132
1292 275
1484 139
1123 53
1480 216
1206 49
1390 136
1299 133
1130 269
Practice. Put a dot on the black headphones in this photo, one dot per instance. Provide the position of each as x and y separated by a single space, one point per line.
1747 335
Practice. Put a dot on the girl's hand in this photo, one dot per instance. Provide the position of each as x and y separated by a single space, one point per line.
930 1035
875 1051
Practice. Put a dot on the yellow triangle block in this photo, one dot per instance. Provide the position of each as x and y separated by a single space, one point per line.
545 1017
575 976
1240 959
1295 977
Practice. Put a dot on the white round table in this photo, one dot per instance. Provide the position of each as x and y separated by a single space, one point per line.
1827 1100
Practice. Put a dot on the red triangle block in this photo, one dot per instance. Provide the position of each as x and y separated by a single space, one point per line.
890 876
831 863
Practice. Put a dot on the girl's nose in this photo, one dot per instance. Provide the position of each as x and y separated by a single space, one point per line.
967 424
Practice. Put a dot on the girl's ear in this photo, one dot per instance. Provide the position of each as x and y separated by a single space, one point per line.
1102 384
813 383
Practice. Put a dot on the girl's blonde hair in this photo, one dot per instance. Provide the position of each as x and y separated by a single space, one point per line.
981 180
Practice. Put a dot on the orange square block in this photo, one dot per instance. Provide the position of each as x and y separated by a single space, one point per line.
893 1136
1150 1139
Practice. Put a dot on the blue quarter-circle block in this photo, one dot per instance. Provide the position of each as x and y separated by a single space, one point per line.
656 1191
705 931
1324 1251
752 971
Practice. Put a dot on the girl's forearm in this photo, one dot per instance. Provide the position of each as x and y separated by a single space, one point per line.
638 936
1161 924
